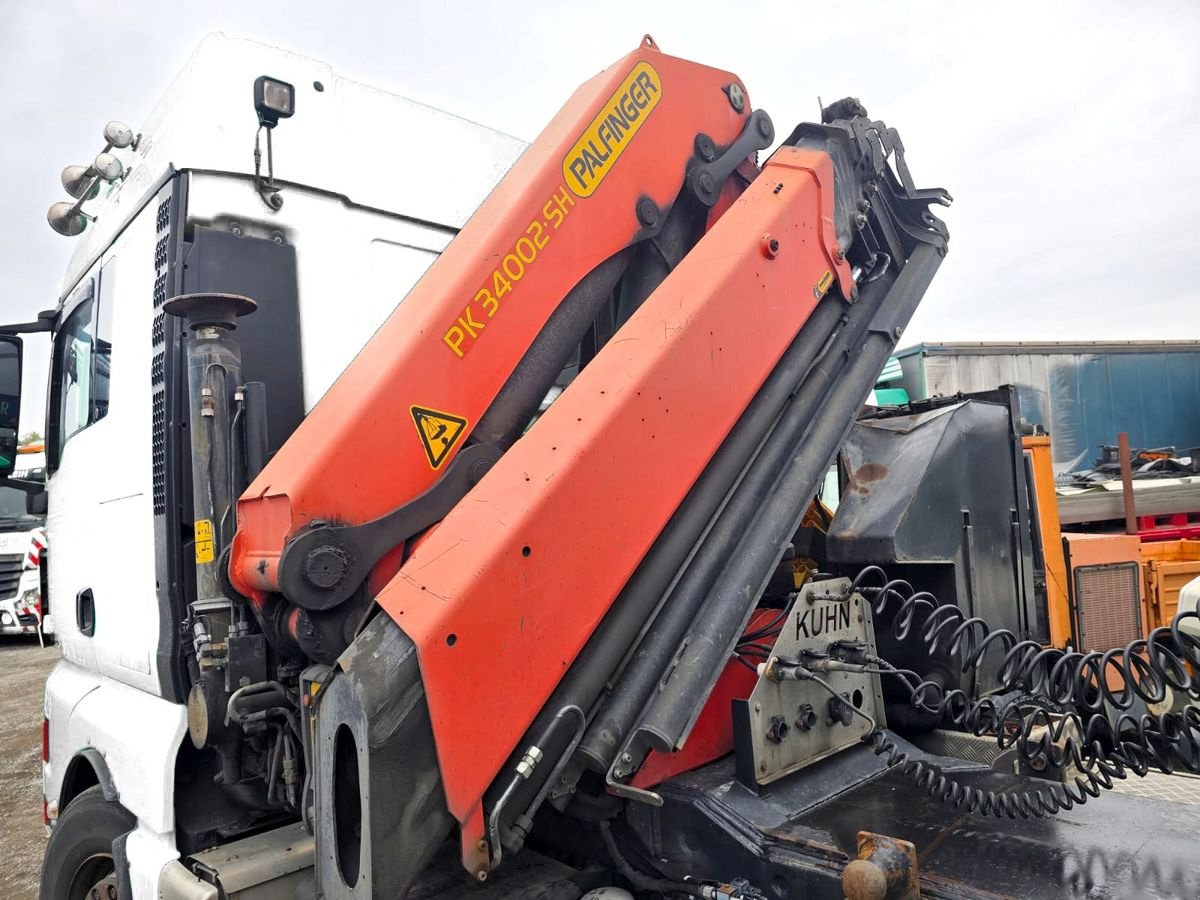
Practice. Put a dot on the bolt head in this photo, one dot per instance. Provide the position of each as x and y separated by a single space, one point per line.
737 97
770 246
647 212
481 874
325 566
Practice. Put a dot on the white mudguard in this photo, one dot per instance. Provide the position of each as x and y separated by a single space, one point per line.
136 737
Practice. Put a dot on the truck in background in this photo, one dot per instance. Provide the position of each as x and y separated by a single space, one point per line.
1082 392
22 543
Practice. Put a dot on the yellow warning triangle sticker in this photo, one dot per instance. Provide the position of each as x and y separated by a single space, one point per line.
439 432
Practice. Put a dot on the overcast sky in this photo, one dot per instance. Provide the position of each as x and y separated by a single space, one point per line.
1068 133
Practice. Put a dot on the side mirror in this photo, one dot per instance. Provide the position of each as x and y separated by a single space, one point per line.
10 401
37 504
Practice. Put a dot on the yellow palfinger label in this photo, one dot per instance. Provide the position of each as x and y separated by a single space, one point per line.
205 546
622 116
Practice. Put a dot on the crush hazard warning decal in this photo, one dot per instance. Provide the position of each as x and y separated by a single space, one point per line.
621 117
439 433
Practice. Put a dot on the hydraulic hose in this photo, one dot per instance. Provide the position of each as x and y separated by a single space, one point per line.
1097 749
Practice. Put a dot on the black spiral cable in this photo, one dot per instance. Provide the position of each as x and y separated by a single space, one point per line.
1098 750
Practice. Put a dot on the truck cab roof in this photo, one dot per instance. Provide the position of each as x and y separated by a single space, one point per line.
346 138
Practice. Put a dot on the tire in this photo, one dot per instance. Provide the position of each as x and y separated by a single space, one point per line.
79 854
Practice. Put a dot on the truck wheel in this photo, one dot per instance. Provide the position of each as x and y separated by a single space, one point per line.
79 856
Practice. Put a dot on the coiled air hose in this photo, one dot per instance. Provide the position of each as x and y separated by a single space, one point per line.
1097 749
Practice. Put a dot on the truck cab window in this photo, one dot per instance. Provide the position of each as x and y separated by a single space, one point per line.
79 383
103 347
76 382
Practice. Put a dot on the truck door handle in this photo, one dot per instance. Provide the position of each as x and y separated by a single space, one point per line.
85 612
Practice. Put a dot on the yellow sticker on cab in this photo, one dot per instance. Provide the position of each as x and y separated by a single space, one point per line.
205 546
622 116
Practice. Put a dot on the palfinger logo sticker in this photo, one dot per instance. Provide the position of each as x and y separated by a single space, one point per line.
606 138
439 433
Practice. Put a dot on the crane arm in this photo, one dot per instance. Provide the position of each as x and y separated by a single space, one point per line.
444 373
535 576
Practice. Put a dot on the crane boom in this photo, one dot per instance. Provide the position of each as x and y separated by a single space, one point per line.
678 301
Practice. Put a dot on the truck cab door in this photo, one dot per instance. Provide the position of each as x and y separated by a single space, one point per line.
101 572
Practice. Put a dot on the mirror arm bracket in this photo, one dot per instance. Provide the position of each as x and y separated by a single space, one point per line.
20 484
44 322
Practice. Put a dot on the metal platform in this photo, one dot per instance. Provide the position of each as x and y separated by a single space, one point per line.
1177 788
795 839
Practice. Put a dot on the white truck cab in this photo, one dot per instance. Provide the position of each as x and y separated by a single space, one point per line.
367 189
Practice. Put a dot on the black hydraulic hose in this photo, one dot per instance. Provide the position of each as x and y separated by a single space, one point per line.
640 880
514 406
256 440
639 269
645 669
733 596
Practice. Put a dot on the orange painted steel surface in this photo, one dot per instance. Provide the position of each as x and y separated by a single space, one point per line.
1045 498
424 355
502 596
1167 566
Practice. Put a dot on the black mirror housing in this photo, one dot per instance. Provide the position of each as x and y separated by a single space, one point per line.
10 401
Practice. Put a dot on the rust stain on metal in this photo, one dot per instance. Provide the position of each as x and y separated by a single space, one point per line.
870 472
859 481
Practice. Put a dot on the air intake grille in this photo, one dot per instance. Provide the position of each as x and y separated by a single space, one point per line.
158 343
1107 601
10 574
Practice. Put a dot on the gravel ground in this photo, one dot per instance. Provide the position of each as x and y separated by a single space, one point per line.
23 669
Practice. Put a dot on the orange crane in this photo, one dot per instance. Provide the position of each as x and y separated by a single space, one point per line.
638 240
515 610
